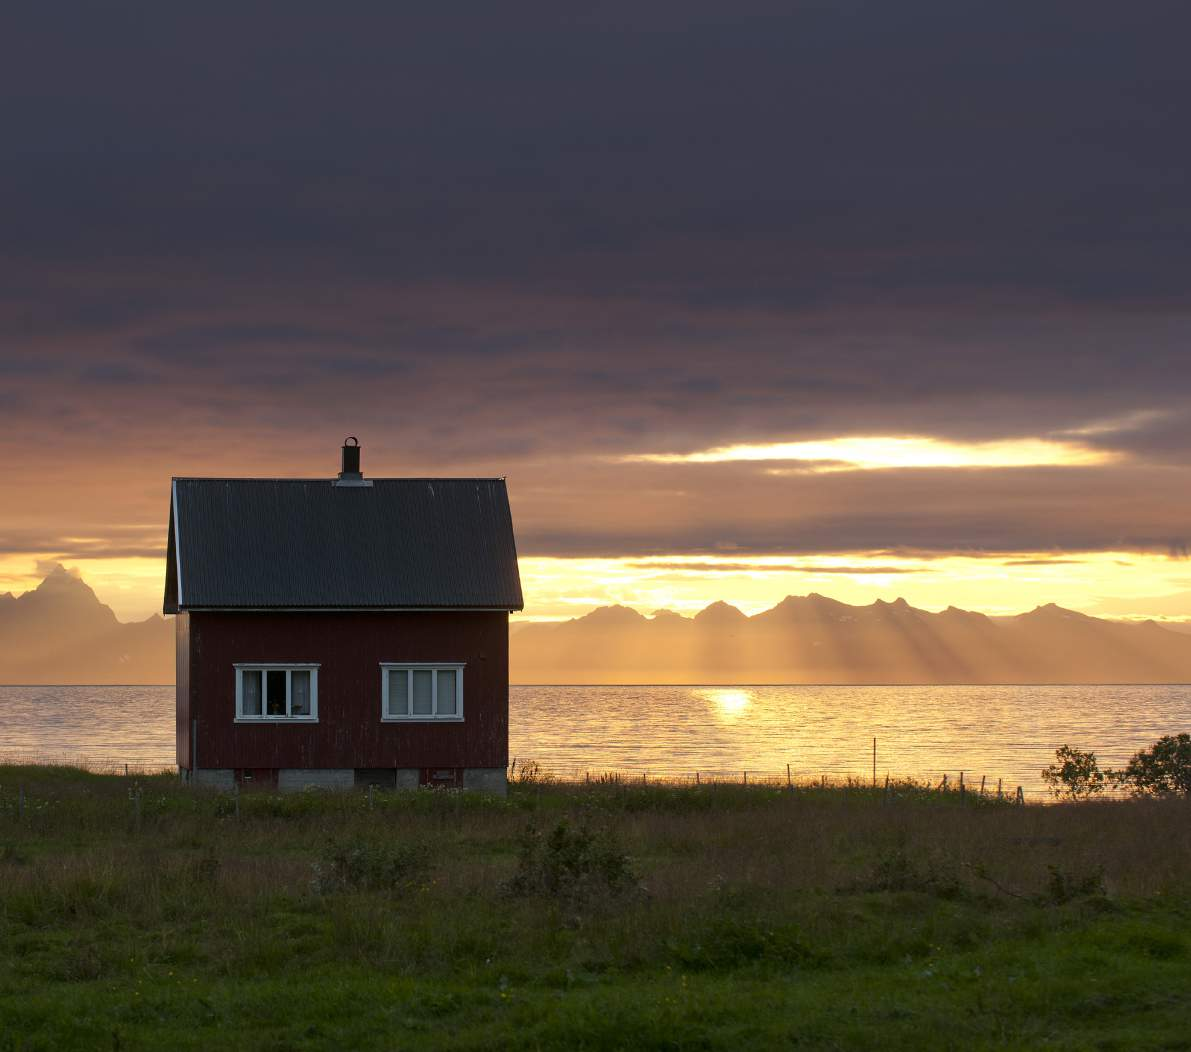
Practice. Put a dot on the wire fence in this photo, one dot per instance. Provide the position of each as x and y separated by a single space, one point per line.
959 781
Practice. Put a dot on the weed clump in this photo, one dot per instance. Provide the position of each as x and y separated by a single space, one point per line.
727 943
897 870
360 866
1063 887
12 855
571 863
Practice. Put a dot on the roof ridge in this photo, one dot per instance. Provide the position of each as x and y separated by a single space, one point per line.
331 478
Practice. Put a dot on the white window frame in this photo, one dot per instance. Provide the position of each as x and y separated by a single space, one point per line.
276 666
390 666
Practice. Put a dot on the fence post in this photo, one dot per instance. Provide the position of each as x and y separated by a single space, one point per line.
982 777
746 778
789 783
874 761
1021 797
963 792
696 777
1000 795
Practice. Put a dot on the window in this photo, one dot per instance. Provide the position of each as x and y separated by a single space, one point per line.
421 692
277 692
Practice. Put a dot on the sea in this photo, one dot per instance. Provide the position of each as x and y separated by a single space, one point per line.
994 734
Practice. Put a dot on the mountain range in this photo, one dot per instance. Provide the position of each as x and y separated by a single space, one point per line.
60 632
814 639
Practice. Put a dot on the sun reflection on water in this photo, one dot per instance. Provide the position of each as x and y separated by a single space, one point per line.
728 703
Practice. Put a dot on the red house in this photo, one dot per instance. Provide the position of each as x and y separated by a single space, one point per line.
339 632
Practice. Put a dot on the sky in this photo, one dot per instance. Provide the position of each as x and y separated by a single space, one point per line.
745 299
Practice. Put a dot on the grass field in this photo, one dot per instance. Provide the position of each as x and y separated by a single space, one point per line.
587 917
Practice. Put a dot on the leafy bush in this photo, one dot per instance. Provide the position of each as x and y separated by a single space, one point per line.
1062 886
570 863
1164 769
895 870
361 866
1074 774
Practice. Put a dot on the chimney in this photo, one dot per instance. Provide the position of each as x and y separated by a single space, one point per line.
351 459
350 475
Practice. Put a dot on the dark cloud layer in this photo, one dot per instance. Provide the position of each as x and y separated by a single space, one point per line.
518 238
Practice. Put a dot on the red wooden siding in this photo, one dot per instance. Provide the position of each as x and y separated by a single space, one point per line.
182 686
349 647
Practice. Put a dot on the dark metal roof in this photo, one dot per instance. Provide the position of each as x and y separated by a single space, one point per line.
308 543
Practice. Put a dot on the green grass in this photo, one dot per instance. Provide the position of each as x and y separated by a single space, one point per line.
660 917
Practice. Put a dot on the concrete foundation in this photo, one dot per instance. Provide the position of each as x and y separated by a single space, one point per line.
491 780
291 778
213 778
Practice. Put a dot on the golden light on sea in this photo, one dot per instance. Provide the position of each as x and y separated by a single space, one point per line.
729 704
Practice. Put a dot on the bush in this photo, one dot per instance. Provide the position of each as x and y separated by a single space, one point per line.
570 863
1062 887
359 866
1164 769
895 870
1074 774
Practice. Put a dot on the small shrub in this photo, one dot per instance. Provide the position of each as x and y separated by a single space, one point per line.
570 863
12 855
1164 769
896 870
205 870
1074 774
359 866
1063 887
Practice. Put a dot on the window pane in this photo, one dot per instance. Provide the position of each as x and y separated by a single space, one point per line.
398 692
299 692
250 689
275 692
446 692
423 692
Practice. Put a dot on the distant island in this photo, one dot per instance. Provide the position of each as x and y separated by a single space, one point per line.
60 632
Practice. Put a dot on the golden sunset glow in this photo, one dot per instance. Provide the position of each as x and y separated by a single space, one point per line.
874 453
1118 584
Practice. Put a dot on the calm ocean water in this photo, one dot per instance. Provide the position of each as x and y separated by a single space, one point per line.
1007 732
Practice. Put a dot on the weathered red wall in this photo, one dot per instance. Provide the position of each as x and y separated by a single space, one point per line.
349 647
182 686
